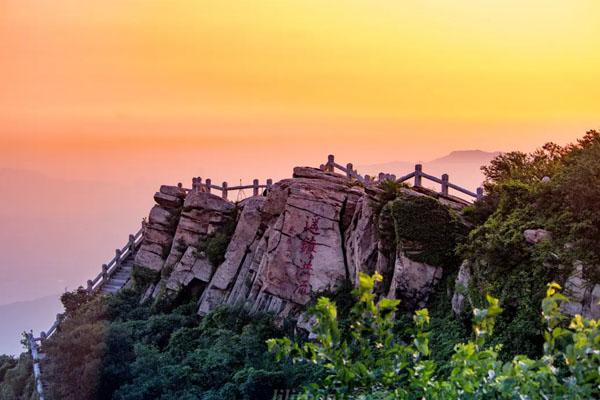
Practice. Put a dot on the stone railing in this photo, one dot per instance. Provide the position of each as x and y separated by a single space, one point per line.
121 254
417 174
208 186
35 357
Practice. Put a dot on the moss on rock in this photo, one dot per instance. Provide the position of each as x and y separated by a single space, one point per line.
426 230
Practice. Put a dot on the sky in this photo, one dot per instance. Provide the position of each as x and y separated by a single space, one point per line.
125 95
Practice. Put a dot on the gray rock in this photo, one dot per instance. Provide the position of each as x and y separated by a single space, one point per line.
167 200
461 285
159 237
191 266
413 282
534 236
362 241
174 191
594 308
315 173
583 295
245 234
163 216
150 260
207 202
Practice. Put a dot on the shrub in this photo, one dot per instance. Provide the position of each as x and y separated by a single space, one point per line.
427 230
372 363
16 378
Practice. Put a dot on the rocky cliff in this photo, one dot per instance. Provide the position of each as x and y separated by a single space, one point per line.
306 235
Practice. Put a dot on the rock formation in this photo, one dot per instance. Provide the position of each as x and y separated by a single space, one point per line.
308 235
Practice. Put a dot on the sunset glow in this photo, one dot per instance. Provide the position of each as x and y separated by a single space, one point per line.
491 74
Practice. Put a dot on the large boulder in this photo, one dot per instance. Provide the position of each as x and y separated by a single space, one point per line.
583 295
167 201
191 266
159 233
288 246
204 214
461 286
413 282
362 240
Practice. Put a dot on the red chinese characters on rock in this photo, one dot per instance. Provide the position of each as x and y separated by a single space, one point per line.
306 255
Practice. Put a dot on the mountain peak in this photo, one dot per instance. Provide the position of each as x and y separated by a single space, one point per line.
468 156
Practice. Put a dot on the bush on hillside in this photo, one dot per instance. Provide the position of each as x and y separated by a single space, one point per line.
371 362
113 347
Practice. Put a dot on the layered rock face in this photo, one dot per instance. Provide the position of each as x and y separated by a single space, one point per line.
308 235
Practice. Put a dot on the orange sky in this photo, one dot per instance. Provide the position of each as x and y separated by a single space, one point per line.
111 98
280 82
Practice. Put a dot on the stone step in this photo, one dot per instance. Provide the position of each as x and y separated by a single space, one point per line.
124 271
110 289
114 285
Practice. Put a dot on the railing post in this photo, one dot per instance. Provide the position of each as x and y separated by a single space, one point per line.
381 177
131 243
330 163
207 183
118 256
224 193
393 177
367 180
90 286
350 169
445 180
194 184
479 193
104 272
269 184
180 185
418 172
255 187
43 336
37 373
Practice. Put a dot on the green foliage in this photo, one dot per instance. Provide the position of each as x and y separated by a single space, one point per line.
371 363
113 347
426 230
74 354
16 378
216 248
567 204
391 189
446 329
72 301
518 199
143 277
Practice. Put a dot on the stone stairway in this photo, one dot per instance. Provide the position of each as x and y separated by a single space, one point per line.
120 278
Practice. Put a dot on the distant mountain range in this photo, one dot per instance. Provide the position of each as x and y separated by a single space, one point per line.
462 166
21 316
